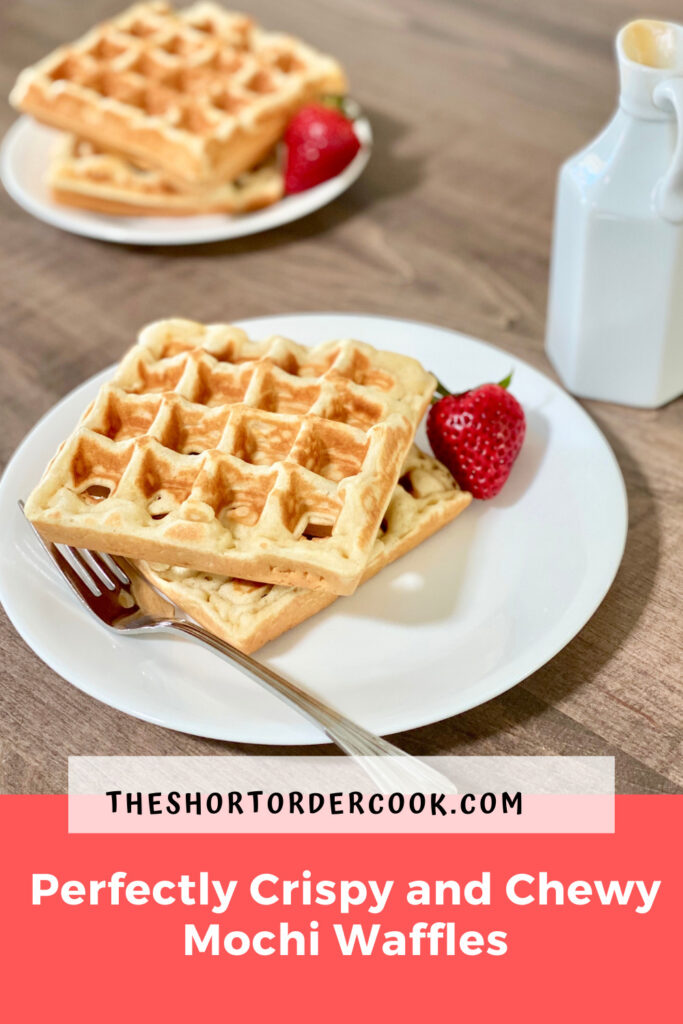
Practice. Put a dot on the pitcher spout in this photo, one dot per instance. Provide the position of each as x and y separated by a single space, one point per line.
649 52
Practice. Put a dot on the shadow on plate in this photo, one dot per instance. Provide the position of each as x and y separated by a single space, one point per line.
528 461
423 586
508 724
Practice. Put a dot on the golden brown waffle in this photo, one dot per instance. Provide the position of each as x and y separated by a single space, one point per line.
83 175
248 615
201 93
263 460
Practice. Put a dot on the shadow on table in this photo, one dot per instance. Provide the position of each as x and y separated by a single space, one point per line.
386 175
613 622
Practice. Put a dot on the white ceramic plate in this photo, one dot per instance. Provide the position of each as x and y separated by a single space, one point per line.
25 155
468 614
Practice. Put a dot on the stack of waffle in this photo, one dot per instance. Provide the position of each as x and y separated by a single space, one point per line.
173 112
252 482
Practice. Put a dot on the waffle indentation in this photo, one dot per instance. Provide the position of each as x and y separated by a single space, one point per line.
185 84
263 456
96 463
236 495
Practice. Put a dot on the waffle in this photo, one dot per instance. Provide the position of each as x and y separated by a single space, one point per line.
83 175
202 93
248 615
262 460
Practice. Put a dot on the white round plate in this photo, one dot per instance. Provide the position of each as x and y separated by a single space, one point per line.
465 616
25 155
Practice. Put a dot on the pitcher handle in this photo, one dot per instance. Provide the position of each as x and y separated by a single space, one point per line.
668 95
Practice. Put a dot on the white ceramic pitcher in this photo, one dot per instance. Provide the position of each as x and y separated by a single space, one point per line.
615 316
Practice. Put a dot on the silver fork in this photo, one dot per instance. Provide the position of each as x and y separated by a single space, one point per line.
105 586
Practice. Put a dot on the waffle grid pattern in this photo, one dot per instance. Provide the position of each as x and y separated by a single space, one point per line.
202 93
248 615
263 460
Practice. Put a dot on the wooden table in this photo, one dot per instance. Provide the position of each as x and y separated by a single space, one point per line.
474 104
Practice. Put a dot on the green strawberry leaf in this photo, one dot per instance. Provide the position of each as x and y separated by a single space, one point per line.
443 391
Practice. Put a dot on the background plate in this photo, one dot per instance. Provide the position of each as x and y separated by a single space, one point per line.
25 156
464 617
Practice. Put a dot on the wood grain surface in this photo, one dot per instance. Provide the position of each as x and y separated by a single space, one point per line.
475 103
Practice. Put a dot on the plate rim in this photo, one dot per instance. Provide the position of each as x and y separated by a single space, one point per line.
112 229
417 719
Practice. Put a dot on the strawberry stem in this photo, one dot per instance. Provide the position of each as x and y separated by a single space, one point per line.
439 392
443 392
334 102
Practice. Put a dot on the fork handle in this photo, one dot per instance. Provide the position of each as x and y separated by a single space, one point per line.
352 738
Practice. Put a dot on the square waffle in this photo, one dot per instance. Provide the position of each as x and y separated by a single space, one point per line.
248 615
202 93
262 460
83 175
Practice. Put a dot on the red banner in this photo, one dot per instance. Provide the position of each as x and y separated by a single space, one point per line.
100 928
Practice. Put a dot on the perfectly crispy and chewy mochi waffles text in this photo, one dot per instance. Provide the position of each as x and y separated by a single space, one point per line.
202 93
248 615
265 461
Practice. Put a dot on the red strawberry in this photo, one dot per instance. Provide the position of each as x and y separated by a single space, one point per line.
320 143
477 435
